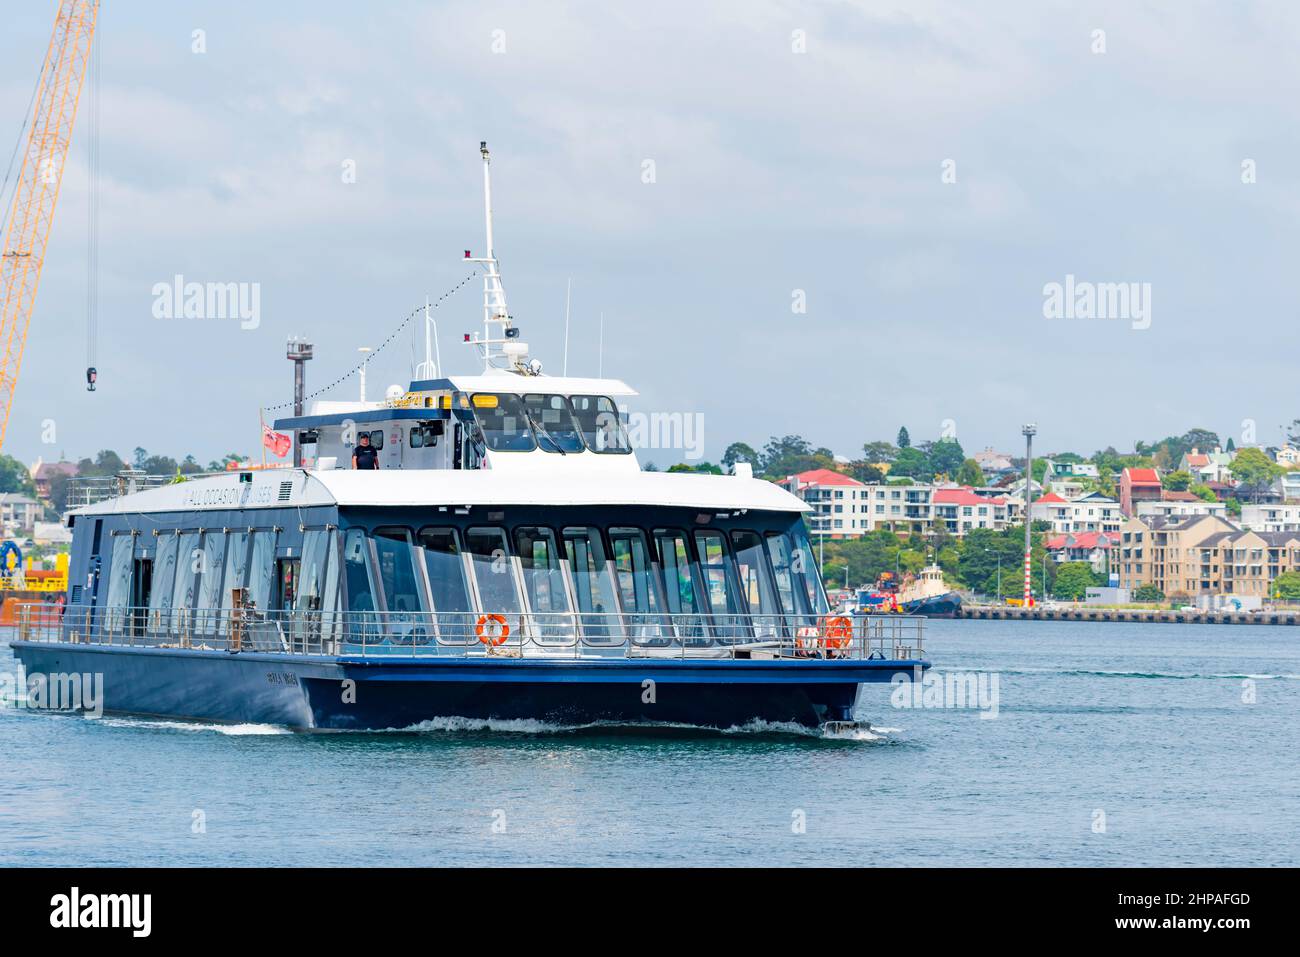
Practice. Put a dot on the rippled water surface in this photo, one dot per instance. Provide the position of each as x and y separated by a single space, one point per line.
1114 744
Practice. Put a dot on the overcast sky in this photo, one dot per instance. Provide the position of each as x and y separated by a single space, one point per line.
774 171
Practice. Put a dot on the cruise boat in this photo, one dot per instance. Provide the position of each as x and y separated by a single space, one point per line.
509 559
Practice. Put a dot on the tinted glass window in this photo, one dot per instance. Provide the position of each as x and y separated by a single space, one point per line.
598 419
558 429
502 422
403 589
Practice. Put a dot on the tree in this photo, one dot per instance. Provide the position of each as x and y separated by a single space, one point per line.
864 471
904 440
1231 446
877 452
970 473
792 454
739 452
946 457
1073 579
106 462
703 468
1204 493
1178 481
1254 471
14 476
1287 586
911 463
1148 593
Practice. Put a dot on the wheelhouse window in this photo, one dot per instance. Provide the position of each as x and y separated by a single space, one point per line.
503 422
557 428
601 426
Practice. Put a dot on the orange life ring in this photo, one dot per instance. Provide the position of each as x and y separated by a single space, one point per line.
837 632
492 629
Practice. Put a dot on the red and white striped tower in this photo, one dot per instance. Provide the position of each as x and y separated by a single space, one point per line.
1028 432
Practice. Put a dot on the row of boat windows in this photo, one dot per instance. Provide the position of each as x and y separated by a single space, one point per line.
485 569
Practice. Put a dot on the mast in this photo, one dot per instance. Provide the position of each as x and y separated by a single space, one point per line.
497 328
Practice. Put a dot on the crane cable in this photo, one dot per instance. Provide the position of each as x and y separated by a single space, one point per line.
92 220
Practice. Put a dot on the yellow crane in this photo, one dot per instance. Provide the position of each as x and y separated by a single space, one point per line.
37 191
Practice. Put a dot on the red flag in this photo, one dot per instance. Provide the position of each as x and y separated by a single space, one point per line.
277 442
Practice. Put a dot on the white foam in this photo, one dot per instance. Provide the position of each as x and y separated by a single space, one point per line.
233 730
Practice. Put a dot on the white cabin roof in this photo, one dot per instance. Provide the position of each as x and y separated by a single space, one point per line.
285 488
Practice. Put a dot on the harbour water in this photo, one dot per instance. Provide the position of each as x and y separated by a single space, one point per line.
1113 744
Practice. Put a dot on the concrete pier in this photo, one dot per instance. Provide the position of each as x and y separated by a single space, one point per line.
1084 613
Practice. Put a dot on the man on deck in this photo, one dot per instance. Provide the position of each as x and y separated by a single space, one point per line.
365 456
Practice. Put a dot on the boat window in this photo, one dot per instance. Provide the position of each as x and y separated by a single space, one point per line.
502 422
451 595
639 586
209 601
236 570
377 439
602 429
164 578
119 582
592 585
559 429
804 569
721 590
417 437
261 569
403 589
683 589
318 587
543 574
778 550
356 571
756 585
189 561
494 575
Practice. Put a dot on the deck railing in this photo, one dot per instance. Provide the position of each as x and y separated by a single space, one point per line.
460 634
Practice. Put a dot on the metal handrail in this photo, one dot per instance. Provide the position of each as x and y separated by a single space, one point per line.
470 634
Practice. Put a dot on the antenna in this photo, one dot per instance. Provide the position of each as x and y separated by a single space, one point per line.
568 294
431 367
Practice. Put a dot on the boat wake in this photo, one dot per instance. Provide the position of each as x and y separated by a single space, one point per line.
1171 675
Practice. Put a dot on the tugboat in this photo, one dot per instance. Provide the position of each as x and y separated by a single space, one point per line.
925 594
508 559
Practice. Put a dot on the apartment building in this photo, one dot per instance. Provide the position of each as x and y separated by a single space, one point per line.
1271 518
960 509
1180 503
845 508
1092 512
1202 555
1095 548
19 513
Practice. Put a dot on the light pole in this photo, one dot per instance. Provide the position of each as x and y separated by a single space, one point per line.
1028 431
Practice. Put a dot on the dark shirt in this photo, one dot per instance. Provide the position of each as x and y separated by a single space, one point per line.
366 457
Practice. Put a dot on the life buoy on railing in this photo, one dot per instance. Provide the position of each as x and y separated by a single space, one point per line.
492 629
837 632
